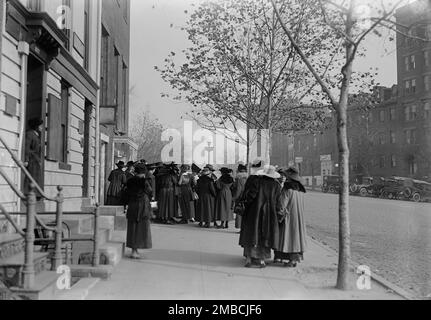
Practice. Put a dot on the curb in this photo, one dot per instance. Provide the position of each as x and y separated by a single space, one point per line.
380 280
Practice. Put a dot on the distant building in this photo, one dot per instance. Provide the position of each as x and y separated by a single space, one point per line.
114 89
393 138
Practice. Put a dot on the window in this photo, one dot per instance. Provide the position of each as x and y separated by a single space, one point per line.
412 62
413 86
393 137
315 141
393 161
392 114
58 126
427 82
87 35
413 166
381 138
68 22
382 162
382 115
407 86
407 63
426 58
410 113
65 94
411 136
427 108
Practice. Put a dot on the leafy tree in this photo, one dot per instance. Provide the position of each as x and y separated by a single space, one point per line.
241 70
344 21
146 131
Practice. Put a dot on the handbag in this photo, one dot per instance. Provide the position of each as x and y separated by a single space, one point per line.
195 196
239 208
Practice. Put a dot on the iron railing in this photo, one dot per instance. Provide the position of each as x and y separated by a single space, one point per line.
32 218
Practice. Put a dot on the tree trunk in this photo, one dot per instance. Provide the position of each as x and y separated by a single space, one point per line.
343 148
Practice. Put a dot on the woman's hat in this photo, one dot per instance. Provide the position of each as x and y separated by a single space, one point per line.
269 171
141 168
195 168
242 168
34 123
185 167
130 164
206 171
293 174
209 167
257 163
225 170
120 164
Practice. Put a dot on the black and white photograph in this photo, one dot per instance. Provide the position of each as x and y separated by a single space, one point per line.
226 152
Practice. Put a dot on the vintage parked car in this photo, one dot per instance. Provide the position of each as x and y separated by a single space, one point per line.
361 185
414 190
331 184
393 188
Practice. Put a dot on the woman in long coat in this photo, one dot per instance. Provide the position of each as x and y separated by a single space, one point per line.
139 212
185 197
223 204
260 230
166 199
238 190
293 234
207 193
117 180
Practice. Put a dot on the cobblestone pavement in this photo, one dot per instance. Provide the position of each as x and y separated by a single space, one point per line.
392 237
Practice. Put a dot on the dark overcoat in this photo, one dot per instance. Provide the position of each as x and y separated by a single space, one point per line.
223 205
237 193
166 195
185 196
139 212
207 193
260 225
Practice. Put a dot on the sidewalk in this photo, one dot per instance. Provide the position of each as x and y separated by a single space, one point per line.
188 263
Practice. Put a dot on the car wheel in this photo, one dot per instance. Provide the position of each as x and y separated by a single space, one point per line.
363 192
325 190
331 189
353 188
416 197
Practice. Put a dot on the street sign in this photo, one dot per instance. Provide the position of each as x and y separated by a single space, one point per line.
299 160
325 157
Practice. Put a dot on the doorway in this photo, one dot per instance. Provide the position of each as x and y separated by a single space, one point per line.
35 109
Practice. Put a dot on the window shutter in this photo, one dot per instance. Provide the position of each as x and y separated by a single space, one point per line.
54 128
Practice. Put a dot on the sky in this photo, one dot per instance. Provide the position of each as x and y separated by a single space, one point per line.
153 38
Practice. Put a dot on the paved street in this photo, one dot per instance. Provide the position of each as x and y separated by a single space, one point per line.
187 262
392 237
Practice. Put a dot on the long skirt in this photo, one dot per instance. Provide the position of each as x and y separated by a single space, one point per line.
187 207
139 234
260 253
114 201
238 220
167 203
291 256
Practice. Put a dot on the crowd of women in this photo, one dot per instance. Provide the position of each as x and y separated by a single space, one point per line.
267 205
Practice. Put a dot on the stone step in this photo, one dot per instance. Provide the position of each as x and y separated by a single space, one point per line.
11 268
78 291
45 287
106 210
10 245
80 247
